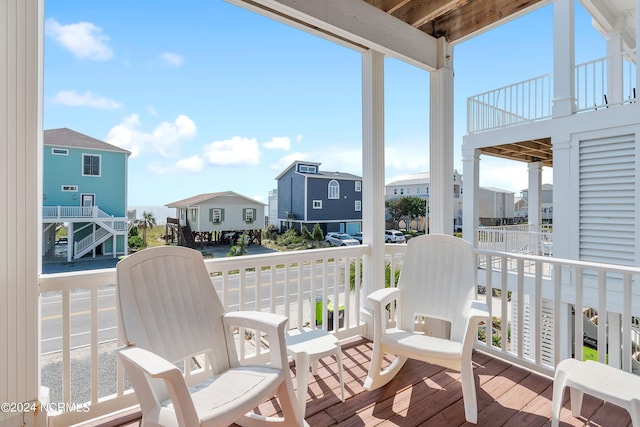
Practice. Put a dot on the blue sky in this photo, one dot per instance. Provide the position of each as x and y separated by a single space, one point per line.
210 97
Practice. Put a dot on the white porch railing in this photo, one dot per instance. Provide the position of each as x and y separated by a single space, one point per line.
532 100
537 298
533 299
520 239
79 213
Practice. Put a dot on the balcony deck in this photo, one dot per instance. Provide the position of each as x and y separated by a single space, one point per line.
427 395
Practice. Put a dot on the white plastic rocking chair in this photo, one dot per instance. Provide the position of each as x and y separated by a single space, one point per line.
437 281
169 311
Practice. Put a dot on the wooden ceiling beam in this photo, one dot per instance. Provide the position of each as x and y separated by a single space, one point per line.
388 6
472 16
418 12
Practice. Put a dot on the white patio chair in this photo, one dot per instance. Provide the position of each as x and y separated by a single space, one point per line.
169 311
437 282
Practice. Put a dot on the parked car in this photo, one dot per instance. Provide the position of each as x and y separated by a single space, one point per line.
358 236
340 239
393 236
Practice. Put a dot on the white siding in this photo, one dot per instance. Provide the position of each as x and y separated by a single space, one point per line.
607 204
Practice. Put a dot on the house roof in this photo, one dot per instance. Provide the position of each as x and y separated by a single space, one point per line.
205 197
497 190
65 137
333 175
411 179
319 173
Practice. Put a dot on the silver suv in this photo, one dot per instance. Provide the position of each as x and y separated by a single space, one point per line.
393 236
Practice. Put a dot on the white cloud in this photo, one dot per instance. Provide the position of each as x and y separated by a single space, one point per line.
299 138
172 59
236 151
165 139
278 143
190 164
285 161
88 99
84 39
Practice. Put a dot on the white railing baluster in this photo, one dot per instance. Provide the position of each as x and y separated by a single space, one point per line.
578 316
626 322
94 345
66 346
602 317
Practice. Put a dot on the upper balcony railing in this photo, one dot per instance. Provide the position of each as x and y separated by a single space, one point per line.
93 213
532 100
532 300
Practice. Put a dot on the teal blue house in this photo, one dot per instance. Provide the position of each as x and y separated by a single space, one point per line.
84 188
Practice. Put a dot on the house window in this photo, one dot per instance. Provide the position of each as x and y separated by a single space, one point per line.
395 191
358 205
418 190
72 188
408 190
402 191
249 215
307 169
334 189
317 204
216 215
90 165
427 191
60 151
358 186
194 214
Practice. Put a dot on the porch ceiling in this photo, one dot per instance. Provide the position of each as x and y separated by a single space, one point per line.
452 19
535 150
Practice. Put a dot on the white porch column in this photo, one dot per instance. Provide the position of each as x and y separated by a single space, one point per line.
614 90
373 170
70 241
534 204
565 212
441 143
563 58
470 205
21 22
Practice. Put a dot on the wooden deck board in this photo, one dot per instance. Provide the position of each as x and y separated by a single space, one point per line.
428 395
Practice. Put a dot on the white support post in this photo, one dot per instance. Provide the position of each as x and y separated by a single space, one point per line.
71 243
441 143
534 205
614 90
21 62
565 227
471 213
563 58
373 172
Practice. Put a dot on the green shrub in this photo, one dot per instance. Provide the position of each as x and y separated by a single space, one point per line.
135 242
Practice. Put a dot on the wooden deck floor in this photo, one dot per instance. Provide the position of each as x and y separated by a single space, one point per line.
427 395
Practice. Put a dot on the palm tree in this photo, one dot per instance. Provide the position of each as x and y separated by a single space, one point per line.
147 221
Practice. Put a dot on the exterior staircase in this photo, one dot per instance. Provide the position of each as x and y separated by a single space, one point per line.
187 236
86 245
